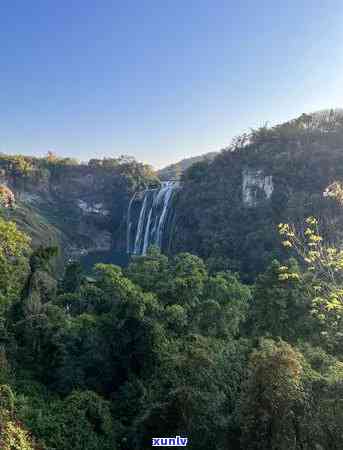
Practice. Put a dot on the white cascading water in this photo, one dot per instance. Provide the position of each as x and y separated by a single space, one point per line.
167 196
129 224
152 219
140 227
147 233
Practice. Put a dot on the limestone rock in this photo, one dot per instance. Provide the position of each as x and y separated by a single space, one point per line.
256 186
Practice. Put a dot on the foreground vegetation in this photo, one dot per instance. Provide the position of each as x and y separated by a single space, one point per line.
166 348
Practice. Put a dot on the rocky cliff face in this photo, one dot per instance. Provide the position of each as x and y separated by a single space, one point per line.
73 205
80 208
256 186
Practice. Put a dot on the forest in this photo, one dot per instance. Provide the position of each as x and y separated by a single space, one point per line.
233 339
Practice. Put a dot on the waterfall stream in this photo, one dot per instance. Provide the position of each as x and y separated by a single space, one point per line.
149 227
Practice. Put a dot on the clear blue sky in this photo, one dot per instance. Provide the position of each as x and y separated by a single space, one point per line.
161 80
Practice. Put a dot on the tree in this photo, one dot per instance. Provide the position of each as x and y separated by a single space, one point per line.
13 435
72 277
14 245
224 306
151 272
86 423
281 307
323 276
81 421
272 398
180 399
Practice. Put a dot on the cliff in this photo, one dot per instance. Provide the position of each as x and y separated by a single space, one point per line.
228 209
80 208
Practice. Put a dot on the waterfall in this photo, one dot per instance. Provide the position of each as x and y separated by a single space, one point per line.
147 233
140 227
149 226
129 225
168 191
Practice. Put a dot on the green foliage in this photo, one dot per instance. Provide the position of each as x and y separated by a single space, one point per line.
14 437
14 245
323 277
72 277
272 398
111 360
41 258
6 399
303 157
178 345
81 422
281 307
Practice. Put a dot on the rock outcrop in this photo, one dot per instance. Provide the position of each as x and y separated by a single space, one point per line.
7 198
256 186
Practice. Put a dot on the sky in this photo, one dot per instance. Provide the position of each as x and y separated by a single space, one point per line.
161 80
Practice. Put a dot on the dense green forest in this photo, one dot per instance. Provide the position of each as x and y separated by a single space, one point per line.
231 344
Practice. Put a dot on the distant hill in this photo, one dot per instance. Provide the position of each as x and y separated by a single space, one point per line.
174 171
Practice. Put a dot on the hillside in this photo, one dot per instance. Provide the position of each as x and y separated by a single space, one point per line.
228 208
79 208
174 171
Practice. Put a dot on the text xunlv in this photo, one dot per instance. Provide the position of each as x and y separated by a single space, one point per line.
177 441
